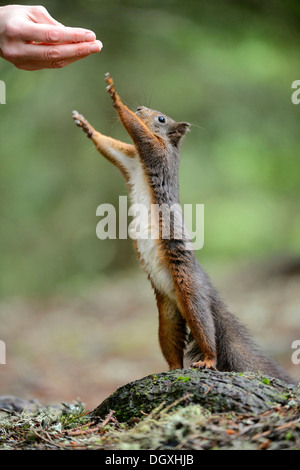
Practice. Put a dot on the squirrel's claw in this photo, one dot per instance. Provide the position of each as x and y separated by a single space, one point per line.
80 121
110 87
109 80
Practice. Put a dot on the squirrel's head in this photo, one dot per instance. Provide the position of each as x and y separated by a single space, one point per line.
163 126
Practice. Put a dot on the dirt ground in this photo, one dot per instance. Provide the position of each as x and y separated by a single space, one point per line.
66 348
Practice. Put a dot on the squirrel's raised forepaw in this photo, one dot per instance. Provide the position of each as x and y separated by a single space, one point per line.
206 364
80 121
108 78
110 86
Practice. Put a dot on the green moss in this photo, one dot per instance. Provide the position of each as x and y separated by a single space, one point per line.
289 436
183 379
216 391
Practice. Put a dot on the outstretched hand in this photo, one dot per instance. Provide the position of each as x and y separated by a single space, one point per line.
32 40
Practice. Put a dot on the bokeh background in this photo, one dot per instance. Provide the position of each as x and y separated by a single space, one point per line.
76 313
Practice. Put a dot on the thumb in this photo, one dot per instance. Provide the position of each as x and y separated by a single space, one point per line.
39 14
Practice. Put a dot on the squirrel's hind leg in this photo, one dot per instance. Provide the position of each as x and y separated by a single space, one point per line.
172 331
195 309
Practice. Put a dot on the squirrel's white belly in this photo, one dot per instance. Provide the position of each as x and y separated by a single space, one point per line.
158 272
142 228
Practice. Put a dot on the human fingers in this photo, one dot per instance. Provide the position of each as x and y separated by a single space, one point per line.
43 33
35 56
36 65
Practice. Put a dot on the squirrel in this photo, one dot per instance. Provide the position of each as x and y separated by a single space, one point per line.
192 317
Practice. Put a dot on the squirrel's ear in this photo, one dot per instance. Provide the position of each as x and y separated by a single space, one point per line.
179 129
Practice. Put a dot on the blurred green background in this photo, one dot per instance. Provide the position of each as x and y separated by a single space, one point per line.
226 66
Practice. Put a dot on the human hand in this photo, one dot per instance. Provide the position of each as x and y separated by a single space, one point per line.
32 40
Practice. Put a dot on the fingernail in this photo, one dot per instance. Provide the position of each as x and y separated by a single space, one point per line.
90 36
96 46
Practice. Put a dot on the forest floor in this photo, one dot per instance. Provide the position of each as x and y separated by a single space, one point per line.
78 350
177 426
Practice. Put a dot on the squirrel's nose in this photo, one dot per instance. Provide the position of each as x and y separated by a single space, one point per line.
140 108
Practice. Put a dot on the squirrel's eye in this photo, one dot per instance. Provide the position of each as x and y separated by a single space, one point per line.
161 119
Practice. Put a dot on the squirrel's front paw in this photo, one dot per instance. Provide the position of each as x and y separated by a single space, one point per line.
205 364
80 121
110 86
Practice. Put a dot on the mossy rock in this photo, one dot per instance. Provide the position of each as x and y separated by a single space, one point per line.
214 391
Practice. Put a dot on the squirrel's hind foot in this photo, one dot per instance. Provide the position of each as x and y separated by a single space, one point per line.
80 121
206 364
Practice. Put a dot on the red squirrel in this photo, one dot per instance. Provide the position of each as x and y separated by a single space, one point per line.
192 316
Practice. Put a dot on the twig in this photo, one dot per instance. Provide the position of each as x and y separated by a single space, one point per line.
155 411
49 441
176 402
80 431
287 425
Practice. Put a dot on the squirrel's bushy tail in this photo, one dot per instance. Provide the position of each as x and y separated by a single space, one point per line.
236 351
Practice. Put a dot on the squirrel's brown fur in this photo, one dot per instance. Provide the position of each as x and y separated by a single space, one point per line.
185 296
